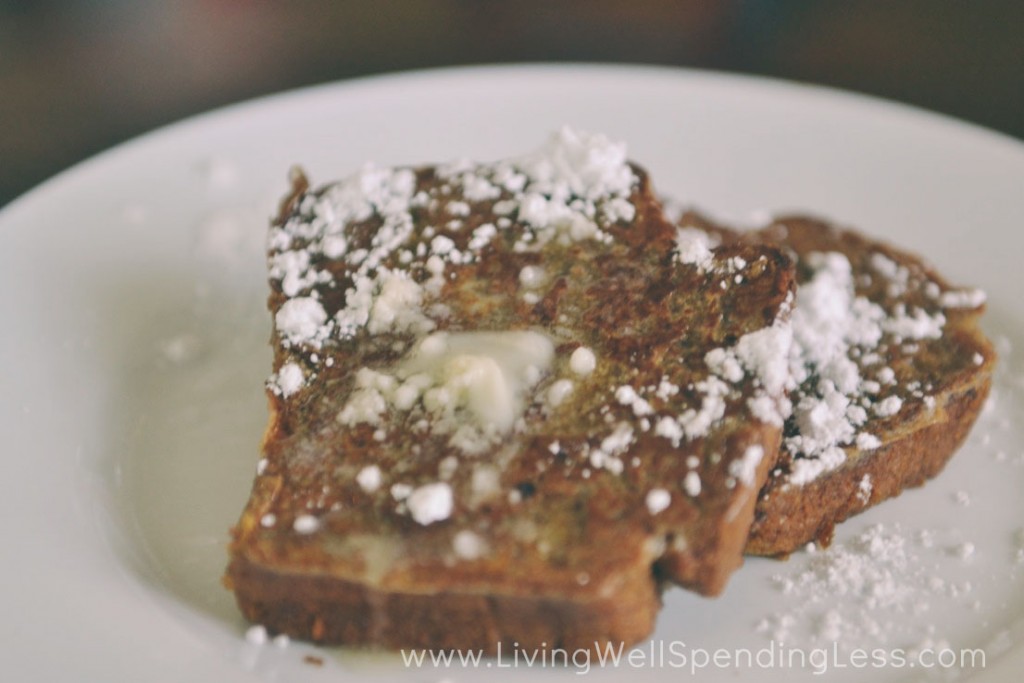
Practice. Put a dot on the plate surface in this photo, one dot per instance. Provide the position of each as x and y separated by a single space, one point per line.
133 340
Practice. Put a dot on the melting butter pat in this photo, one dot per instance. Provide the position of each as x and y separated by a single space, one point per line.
471 384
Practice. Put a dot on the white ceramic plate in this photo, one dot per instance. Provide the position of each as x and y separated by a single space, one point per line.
132 339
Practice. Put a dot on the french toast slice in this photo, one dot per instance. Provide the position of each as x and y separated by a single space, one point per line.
494 419
891 370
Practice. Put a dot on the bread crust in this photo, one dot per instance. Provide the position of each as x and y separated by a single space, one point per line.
787 518
325 609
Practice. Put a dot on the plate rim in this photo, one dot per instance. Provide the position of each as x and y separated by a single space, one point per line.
385 79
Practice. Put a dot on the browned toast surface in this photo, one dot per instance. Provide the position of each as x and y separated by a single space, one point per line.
493 414
917 370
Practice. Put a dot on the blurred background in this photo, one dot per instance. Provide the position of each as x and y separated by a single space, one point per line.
81 75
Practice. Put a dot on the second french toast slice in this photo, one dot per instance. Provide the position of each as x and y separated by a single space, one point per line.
891 370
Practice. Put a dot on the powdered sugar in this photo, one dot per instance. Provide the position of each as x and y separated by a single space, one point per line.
764 354
256 634
389 302
627 396
469 545
293 269
888 406
288 380
302 321
696 422
914 324
864 489
658 500
582 361
693 247
430 503
971 298
744 468
866 441
691 484
369 478
574 163
869 590
558 391
606 456
835 332
306 524
566 189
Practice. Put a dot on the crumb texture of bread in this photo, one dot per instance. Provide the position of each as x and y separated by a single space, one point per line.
509 402
891 370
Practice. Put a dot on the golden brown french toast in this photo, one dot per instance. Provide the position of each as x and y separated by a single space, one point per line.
508 402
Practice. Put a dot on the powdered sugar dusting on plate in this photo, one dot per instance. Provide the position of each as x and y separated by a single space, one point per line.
873 589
